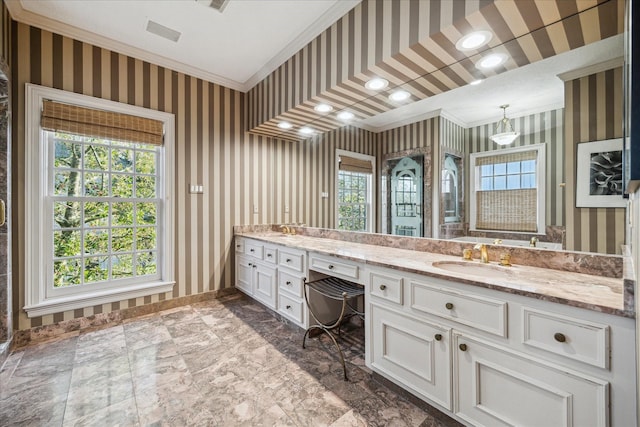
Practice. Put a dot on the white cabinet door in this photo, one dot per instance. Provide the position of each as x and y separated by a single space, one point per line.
412 352
244 274
497 387
265 285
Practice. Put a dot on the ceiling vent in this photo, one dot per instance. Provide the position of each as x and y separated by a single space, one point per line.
218 5
162 31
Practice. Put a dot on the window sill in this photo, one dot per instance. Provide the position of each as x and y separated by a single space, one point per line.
89 299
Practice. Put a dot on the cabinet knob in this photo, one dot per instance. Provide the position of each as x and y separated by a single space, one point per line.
255 265
560 337
237 246
288 307
288 282
438 337
251 250
463 347
250 265
288 260
330 267
269 255
449 306
383 287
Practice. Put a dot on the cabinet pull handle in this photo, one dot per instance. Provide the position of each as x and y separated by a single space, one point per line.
449 306
383 287
438 337
463 347
560 337
330 266
289 282
251 250
255 265
269 255
288 307
237 246
288 260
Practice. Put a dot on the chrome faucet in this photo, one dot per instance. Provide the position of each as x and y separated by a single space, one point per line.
484 254
533 241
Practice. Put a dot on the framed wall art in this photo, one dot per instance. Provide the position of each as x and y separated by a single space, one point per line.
599 181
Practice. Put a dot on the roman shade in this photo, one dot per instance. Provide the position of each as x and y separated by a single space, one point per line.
351 164
59 117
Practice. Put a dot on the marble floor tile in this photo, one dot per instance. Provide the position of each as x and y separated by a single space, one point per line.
227 362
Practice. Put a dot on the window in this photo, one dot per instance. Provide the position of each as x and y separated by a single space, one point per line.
509 190
354 190
100 228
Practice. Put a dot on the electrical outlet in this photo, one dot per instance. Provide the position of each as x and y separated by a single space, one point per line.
286 209
325 195
255 209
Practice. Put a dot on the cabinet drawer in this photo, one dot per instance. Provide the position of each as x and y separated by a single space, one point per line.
575 339
270 255
386 286
472 310
292 259
254 249
291 284
333 267
239 245
291 308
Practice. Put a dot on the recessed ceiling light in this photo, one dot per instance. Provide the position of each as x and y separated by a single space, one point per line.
285 125
306 130
474 40
492 61
345 115
376 83
399 95
476 82
323 108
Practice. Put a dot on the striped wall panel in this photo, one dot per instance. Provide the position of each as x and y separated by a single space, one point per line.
417 52
593 111
238 170
547 128
452 135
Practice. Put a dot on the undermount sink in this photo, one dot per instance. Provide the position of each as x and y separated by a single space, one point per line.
474 268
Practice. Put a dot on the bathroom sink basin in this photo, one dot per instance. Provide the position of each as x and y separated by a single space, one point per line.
474 268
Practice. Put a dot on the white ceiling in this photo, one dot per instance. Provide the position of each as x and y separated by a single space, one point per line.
236 48
250 38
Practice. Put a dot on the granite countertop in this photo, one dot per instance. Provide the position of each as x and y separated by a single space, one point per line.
597 293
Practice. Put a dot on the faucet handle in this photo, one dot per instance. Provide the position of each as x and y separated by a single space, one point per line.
497 241
505 259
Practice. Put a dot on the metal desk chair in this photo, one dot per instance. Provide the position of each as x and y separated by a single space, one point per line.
340 290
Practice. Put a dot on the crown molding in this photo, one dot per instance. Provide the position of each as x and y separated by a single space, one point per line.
523 113
335 12
592 69
339 9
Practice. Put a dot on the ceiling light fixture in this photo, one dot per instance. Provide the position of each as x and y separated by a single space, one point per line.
346 115
306 130
476 82
399 95
474 40
376 83
323 108
508 135
285 125
492 61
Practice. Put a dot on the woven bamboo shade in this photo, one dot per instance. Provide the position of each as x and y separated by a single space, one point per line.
100 124
511 210
352 164
519 156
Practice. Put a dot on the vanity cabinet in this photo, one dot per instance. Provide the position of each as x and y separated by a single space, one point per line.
255 276
492 358
291 278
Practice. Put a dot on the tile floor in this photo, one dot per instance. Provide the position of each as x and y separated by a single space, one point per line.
228 362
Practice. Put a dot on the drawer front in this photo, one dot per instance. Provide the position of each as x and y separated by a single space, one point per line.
386 286
291 284
270 255
291 259
291 308
240 245
575 339
334 267
482 313
254 249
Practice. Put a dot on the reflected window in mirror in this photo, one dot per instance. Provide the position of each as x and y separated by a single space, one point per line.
406 197
354 191
450 188
509 190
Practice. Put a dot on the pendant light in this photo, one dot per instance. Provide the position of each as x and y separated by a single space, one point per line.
508 135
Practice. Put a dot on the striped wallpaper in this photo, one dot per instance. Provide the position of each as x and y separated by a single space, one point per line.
238 170
412 44
593 111
545 127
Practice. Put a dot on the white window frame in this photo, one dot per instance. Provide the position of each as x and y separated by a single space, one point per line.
39 300
371 197
540 185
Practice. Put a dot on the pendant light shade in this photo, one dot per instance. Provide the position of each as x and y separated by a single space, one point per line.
506 135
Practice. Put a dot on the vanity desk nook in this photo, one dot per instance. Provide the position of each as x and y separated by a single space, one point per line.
486 344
